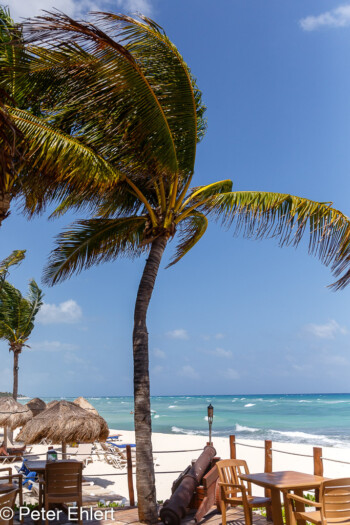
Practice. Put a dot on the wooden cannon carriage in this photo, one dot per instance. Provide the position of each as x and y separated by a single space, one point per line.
194 489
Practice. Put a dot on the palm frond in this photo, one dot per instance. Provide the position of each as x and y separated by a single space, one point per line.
17 313
169 76
13 259
94 241
34 301
201 193
260 215
193 227
107 92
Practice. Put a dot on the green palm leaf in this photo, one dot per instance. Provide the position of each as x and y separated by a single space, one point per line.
105 78
17 313
169 76
259 215
94 241
51 150
13 259
203 192
192 229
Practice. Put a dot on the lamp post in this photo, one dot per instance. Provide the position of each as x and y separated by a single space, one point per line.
210 420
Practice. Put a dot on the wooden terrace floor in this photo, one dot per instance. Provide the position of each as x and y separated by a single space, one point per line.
130 517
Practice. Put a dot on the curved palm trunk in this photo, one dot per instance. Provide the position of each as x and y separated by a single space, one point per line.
145 479
16 352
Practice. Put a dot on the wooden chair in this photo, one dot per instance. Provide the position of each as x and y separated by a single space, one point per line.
14 480
7 500
62 484
236 492
333 507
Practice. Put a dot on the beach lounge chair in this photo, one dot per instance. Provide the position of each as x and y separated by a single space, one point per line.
62 484
236 492
5 457
333 507
84 453
7 500
113 458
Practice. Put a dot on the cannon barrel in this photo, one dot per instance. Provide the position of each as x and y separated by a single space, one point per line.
175 508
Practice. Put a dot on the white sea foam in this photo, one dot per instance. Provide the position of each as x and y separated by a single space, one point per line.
172 406
156 416
242 428
205 418
178 430
297 436
305 401
250 405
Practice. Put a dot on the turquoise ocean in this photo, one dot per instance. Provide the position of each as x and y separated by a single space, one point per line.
320 419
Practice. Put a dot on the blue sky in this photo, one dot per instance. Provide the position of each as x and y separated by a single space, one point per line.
234 316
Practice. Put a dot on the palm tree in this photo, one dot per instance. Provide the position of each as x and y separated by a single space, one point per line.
17 316
131 98
38 164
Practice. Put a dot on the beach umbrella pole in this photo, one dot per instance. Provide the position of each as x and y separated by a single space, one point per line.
64 450
5 438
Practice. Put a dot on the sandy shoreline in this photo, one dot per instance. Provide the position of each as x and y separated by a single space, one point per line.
167 463
108 481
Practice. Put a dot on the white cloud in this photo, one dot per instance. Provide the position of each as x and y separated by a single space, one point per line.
231 373
221 352
66 312
179 333
337 360
219 336
338 17
52 346
77 8
326 331
188 371
157 352
158 369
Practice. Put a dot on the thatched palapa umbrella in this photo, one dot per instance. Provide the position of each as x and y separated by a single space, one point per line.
12 415
51 404
64 423
36 406
84 403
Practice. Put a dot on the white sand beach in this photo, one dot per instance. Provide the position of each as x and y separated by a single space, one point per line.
110 483
167 464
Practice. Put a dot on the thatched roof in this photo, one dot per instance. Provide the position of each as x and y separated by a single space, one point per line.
13 414
36 406
83 403
64 422
51 403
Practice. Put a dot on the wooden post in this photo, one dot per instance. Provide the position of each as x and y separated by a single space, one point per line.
318 463
268 468
130 480
233 447
318 467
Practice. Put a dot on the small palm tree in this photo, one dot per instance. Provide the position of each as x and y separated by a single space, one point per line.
17 316
130 97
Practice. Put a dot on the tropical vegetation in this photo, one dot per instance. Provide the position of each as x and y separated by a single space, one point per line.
118 93
38 163
17 316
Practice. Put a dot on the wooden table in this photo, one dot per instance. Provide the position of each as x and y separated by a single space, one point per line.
39 466
283 481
